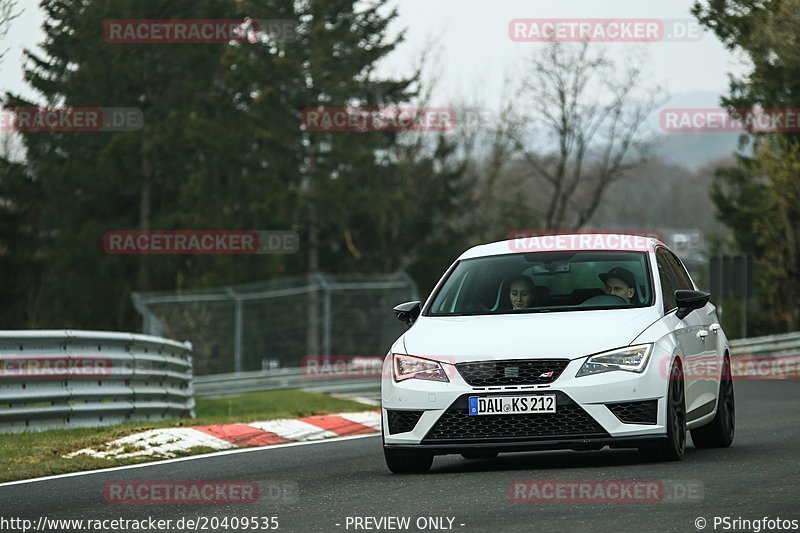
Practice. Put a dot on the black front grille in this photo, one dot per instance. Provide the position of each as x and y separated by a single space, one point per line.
569 421
402 421
645 412
513 372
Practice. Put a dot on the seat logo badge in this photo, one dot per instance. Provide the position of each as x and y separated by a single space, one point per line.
511 372
546 374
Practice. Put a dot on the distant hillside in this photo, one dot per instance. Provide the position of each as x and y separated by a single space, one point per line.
662 195
691 150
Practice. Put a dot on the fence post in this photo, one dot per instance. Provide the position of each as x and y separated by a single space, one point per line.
744 290
237 329
151 325
326 317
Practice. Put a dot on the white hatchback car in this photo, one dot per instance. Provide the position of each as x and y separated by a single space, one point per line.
570 342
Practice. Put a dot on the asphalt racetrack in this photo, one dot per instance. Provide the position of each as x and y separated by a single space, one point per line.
345 486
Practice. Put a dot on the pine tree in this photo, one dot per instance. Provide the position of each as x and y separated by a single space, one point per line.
182 170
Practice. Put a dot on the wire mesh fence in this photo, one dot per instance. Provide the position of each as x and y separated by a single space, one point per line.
275 323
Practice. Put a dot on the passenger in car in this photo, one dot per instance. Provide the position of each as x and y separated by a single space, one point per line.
520 292
620 282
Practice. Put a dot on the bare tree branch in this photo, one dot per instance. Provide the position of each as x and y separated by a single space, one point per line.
7 14
591 122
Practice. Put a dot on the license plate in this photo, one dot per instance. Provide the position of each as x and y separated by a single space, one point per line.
511 405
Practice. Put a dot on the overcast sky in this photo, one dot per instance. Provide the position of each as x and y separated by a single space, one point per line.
476 51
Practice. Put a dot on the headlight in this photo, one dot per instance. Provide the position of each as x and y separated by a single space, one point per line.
631 359
410 367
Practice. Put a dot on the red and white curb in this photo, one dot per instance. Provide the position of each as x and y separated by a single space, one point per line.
169 442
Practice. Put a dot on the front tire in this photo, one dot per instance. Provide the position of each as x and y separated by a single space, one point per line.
408 461
720 431
673 447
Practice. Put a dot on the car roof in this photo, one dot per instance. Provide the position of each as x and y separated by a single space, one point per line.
623 242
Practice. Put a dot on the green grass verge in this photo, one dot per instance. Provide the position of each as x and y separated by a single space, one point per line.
35 454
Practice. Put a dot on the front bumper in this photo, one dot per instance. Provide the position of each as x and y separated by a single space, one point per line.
583 419
537 445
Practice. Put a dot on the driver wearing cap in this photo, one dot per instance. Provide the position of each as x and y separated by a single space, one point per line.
620 282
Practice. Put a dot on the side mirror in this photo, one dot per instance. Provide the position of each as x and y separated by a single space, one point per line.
688 301
408 312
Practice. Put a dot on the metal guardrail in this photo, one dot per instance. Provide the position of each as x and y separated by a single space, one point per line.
784 345
64 379
282 378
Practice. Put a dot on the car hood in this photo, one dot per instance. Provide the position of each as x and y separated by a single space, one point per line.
571 334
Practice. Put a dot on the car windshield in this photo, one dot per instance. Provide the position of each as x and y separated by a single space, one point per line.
545 282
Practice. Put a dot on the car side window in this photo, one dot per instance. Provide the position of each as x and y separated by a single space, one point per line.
684 282
668 285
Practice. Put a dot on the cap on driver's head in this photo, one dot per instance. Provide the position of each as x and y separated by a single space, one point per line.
622 274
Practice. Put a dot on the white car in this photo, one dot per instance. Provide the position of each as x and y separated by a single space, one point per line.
570 342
